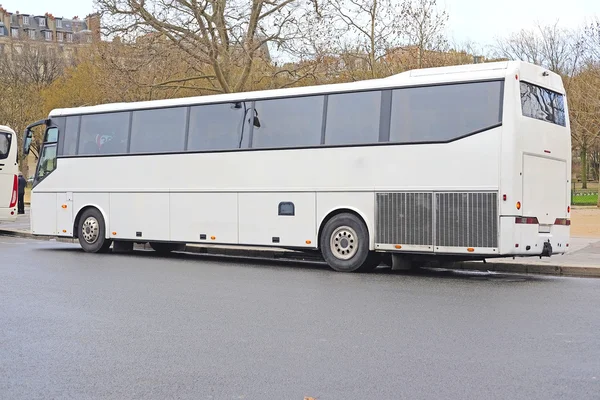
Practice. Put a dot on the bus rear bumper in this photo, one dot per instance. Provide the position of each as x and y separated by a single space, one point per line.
533 240
8 214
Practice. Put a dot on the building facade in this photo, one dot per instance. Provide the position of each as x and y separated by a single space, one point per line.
16 27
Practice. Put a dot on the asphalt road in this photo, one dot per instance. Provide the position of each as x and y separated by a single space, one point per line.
80 326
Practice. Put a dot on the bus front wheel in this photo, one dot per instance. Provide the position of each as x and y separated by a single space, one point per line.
344 244
92 232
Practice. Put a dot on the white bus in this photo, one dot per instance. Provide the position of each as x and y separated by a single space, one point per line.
464 162
9 184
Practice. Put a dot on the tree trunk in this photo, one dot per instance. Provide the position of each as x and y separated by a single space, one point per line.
584 167
598 204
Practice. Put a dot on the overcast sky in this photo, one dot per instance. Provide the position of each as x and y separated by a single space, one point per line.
479 21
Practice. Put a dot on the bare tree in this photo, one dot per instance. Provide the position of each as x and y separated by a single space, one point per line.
365 31
25 69
551 46
227 36
423 26
32 63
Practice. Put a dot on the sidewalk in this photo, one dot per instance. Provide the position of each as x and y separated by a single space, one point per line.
582 260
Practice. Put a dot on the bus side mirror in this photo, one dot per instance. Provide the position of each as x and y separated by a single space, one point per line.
27 137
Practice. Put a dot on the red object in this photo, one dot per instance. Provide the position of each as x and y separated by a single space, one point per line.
15 193
526 220
562 221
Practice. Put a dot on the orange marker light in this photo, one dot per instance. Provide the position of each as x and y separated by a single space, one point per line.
398 246
64 231
64 206
114 233
518 205
308 242
568 209
470 249
213 237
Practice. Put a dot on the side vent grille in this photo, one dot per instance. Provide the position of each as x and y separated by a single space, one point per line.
405 218
467 219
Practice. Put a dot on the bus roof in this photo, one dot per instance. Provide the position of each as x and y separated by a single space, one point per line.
469 72
4 128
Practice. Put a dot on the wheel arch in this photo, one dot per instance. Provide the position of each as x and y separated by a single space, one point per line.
350 210
81 211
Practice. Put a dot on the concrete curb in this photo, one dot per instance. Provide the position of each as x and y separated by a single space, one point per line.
522 268
269 253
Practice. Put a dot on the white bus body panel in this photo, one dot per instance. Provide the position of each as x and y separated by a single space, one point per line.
146 196
210 214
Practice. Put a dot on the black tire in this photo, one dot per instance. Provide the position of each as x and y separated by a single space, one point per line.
165 248
92 232
371 263
344 244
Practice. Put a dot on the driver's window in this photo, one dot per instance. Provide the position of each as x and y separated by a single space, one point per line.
47 161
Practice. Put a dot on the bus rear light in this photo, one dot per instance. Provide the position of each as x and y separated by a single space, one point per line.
504 197
547 151
568 209
562 221
516 245
526 220
518 205
15 193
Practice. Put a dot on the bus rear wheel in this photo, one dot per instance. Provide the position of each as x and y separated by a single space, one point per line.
344 244
92 232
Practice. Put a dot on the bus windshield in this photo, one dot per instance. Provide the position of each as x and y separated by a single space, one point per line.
4 145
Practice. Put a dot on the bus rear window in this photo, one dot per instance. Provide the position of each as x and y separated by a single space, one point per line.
542 104
4 144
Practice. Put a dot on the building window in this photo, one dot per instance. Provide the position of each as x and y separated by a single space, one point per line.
59 23
14 32
2 31
42 21
59 36
25 20
32 34
48 35
69 37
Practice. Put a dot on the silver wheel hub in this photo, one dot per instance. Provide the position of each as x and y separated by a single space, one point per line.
90 230
344 243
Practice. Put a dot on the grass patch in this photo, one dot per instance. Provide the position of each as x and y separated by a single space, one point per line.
585 200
